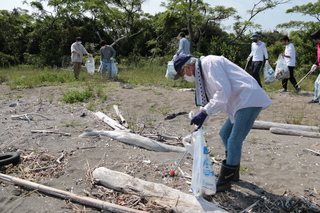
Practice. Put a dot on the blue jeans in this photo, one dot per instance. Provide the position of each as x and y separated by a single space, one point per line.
233 134
104 67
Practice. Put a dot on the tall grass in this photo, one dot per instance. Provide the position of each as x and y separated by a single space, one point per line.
142 74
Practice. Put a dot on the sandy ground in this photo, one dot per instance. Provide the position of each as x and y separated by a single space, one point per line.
276 170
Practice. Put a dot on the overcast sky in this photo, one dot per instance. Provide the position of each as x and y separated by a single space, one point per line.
268 19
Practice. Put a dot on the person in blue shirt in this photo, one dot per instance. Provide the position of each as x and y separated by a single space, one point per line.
184 45
107 54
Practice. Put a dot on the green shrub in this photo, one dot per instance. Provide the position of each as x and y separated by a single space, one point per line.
75 96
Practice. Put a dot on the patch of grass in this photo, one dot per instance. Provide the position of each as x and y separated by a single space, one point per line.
75 96
71 124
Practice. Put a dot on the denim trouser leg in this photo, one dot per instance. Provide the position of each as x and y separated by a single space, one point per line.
233 135
104 67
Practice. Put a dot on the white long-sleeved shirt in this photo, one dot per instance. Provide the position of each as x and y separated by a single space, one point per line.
78 48
229 87
290 51
258 51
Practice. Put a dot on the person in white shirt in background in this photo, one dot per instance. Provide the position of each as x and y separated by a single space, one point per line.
258 53
223 86
77 52
290 57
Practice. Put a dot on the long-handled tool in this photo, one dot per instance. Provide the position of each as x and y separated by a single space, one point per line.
245 68
171 173
304 77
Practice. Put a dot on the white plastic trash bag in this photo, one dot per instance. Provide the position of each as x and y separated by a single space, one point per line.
114 69
171 73
203 180
90 65
269 74
282 70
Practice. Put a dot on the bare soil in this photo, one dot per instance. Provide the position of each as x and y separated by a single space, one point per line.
278 172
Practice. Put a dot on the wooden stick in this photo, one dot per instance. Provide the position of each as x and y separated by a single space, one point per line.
123 121
315 152
112 123
69 196
268 125
49 131
134 139
26 115
294 132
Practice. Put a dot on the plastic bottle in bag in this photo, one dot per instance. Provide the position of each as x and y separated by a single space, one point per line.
203 180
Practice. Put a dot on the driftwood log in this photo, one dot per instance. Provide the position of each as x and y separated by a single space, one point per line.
69 196
160 193
294 132
112 123
134 139
268 125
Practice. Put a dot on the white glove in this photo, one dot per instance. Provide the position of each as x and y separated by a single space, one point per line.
174 57
111 58
249 57
267 61
314 67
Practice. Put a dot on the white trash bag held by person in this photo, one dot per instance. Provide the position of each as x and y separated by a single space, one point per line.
90 65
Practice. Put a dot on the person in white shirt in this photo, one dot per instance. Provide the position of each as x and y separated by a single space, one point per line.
290 57
223 86
258 53
77 52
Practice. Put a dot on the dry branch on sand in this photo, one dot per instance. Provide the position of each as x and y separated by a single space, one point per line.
70 196
160 193
288 129
268 125
134 139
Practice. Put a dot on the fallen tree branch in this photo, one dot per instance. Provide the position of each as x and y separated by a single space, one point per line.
294 132
112 123
69 196
123 121
158 192
133 139
24 116
268 125
52 132
315 152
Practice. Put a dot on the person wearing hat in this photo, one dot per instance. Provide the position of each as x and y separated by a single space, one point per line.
184 45
258 53
77 52
316 36
223 86
290 58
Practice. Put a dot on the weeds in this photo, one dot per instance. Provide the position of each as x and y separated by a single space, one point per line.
75 96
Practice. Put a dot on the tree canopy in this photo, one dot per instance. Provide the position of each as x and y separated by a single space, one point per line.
43 38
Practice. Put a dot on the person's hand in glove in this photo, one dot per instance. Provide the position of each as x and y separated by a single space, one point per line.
267 61
249 57
111 58
314 67
199 118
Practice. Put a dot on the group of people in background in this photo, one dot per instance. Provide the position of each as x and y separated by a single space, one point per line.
107 54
